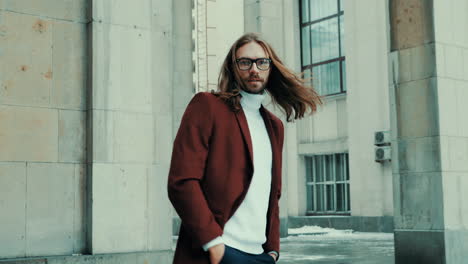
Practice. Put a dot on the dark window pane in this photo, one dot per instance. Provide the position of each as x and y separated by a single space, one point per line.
340 197
325 40
322 8
348 205
347 166
319 168
310 198
326 78
330 197
329 167
343 70
342 50
305 11
320 197
306 46
309 172
339 167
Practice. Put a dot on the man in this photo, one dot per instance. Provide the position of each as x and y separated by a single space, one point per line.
225 174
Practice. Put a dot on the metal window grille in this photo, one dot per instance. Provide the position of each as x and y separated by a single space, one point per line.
328 184
322 47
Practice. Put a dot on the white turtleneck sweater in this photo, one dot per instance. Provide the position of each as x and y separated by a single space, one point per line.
245 230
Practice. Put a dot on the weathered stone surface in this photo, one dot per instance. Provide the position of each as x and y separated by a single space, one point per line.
417 111
70 65
26 69
454 152
76 10
28 134
50 218
123 12
465 64
456 246
251 10
455 208
342 118
419 154
122 80
411 23
13 208
418 201
72 136
103 135
162 77
324 123
453 56
163 139
450 22
120 208
133 137
448 107
461 88
80 207
417 63
162 15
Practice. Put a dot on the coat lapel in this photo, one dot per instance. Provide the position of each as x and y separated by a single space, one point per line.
242 121
273 140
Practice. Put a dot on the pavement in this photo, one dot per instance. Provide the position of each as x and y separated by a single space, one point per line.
338 247
316 245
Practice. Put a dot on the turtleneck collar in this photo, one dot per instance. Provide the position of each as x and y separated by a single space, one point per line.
251 102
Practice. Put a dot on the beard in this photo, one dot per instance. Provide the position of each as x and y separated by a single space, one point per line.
254 85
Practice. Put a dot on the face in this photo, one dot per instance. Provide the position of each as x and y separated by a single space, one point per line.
254 79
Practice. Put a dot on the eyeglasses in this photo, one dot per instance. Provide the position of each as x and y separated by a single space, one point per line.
245 64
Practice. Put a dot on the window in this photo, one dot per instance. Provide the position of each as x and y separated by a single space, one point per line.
328 184
323 56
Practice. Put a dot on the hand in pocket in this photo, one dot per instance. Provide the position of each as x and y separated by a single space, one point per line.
216 253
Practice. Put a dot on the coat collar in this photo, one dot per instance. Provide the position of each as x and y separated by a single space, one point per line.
267 118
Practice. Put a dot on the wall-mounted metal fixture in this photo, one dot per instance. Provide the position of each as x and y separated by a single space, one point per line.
383 150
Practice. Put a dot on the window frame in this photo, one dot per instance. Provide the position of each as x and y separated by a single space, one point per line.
313 183
341 58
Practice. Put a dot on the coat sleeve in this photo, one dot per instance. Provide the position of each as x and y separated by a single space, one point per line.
273 237
189 154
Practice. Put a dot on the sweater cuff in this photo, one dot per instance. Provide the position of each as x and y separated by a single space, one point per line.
214 242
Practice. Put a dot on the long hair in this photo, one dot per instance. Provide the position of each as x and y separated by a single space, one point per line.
287 89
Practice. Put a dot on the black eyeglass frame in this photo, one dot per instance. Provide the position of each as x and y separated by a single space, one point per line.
252 61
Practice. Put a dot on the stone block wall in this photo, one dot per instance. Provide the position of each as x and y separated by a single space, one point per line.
43 109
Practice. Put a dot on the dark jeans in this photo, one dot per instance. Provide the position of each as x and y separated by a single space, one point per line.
235 256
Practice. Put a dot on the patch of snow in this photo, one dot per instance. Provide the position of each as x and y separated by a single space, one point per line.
285 256
317 230
310 233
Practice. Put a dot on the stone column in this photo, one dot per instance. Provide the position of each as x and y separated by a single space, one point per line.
131 126
430 134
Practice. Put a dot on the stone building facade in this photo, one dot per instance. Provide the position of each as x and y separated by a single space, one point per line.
92 93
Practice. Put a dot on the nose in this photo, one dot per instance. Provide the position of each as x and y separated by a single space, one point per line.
254 68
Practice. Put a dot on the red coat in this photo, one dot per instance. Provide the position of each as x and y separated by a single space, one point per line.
210 173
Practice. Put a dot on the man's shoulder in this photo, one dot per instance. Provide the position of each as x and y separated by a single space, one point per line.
207 99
